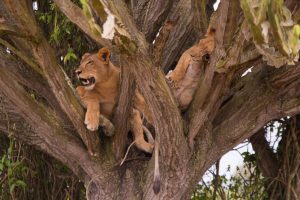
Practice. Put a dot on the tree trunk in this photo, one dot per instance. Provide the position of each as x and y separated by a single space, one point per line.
39 106
281 169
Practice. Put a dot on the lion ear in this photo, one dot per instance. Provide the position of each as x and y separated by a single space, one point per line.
210 32
85 55
104 55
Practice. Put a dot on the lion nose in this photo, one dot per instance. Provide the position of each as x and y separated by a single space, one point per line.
78 72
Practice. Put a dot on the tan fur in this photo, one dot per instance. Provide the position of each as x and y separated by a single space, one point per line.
184 78
101 97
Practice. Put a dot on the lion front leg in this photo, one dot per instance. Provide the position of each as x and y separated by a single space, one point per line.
137 129
80 91
92 115
175 76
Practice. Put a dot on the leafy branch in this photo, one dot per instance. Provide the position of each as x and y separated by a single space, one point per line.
275 34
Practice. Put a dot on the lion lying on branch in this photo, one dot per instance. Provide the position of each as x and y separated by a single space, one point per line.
184 79
99 92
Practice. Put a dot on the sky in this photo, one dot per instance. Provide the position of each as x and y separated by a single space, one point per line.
216 4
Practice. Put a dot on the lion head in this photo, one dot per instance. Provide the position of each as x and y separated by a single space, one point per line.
93 68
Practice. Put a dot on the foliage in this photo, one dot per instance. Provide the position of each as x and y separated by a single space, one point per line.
247 183
26 173
12 169
272 21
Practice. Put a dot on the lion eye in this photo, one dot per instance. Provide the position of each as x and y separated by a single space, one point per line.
206 57
90 62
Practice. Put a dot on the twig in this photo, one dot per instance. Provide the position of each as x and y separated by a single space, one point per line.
123 160
148 135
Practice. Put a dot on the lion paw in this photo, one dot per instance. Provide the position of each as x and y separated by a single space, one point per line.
172 83
144 146
92 121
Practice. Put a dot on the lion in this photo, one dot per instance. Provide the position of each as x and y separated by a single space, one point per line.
184 79
100 80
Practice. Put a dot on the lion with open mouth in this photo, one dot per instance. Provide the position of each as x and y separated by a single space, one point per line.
99 89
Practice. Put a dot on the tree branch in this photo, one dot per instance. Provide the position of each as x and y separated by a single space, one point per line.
262 102
123 110
22 56
160 43
49 133
75 15
254 103
31 80
211 86
201 15
123 31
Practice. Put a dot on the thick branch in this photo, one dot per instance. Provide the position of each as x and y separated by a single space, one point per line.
123 111
67 101
252 105
255 103
22 56
160 43
138 8
48 132
31 80
47 128
201 15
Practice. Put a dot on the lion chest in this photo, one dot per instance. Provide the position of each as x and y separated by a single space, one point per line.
108 99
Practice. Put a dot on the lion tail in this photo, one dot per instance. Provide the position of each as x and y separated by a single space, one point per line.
156 178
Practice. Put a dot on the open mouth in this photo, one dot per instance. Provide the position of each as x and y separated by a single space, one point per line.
87 82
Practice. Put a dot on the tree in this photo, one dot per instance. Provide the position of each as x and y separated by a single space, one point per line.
40 107
271 172
280 165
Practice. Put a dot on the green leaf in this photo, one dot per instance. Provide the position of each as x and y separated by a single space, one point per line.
12 188
3 158
9 172
70 56
20 183
296 30
11 180
10 149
